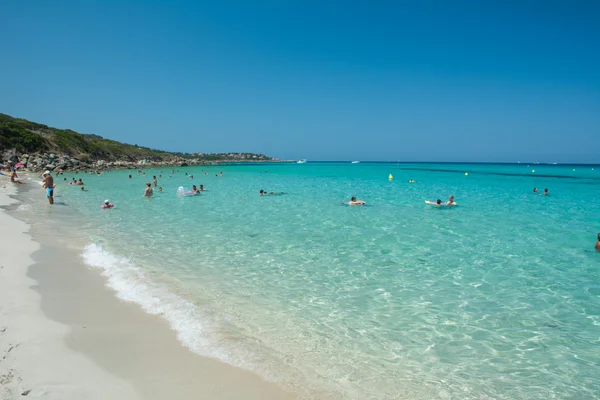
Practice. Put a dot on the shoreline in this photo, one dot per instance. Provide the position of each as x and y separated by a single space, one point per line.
58 308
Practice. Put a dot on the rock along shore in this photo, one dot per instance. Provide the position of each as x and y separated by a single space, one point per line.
64 162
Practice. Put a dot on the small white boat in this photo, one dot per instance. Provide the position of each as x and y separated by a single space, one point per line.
355 162
300 161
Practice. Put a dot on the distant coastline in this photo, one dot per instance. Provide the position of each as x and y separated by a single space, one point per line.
38 147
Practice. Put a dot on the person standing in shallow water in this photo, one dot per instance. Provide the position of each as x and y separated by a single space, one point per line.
154 182
48 185
149 191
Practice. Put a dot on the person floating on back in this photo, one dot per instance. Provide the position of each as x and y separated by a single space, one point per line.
264 192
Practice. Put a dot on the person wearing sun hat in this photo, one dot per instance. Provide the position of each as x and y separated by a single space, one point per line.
49 186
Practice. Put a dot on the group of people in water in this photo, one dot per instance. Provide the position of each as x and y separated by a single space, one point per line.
49 186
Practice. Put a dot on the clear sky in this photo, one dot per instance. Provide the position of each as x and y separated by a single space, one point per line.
321 80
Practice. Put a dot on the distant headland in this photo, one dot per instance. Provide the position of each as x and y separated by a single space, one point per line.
39 147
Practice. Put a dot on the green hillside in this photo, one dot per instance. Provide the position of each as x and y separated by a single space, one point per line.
31 137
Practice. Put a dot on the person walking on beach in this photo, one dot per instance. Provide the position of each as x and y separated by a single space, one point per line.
49 186
149 191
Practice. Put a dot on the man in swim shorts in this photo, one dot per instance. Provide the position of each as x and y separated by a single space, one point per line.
49 186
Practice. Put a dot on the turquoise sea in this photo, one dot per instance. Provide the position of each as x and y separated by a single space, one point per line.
497 298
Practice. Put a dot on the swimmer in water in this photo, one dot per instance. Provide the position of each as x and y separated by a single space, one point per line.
160 189
154 182
83 189
129 176
438 202
535 190
354 202
149 191
195 189
202 188
598 243
451 201
545 192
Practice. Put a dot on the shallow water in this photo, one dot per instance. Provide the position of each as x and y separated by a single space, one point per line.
498 297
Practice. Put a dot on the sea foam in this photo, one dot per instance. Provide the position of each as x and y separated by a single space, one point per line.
131 284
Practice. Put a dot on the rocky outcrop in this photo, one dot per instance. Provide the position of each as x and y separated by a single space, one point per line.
63 162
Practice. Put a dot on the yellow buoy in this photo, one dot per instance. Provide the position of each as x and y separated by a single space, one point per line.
466 174
391 177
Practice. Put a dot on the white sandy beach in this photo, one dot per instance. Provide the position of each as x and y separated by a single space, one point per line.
63 335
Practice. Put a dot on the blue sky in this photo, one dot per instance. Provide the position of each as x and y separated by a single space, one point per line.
389 80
